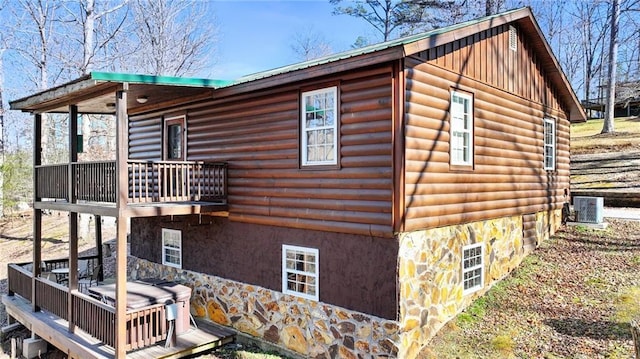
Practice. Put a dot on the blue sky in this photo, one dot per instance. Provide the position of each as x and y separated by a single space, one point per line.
257 35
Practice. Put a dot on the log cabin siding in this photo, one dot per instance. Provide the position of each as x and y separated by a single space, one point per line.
507 177
145 138
257 134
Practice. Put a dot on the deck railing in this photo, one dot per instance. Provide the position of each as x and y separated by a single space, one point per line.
145 326
52 297
19 281
149 181
52 181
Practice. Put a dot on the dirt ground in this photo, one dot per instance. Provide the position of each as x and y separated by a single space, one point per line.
573 297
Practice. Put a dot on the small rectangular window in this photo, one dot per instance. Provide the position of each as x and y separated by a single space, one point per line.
549 144
461 134
172 247
174 138
513 38
300 271
472 268
319 137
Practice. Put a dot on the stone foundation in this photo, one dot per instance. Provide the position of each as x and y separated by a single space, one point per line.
313 329
431 293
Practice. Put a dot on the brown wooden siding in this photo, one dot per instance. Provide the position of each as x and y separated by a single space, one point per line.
145 138
508 176
257 134
486 57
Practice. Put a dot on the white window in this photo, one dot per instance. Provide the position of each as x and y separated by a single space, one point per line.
172 247
300 271
461 142
472 268
549 144
319 137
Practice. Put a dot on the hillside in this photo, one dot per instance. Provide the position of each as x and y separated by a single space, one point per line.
607 165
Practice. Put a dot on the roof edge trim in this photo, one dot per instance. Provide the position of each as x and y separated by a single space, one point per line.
158 80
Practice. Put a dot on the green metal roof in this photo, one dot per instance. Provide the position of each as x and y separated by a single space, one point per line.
158 80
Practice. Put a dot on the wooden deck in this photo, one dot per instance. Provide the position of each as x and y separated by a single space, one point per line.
79 344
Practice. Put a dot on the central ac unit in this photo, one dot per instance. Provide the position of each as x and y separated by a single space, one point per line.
588 209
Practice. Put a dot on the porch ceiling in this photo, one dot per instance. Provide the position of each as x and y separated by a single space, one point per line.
95 93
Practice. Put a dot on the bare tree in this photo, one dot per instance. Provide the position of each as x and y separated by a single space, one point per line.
3 48
310 44
387 16
591 20
493 6
35 23
175 37
608 125
90 20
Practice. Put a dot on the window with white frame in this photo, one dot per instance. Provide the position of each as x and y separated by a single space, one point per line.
461 138
300 271
172 247
472 267
549 144
319 137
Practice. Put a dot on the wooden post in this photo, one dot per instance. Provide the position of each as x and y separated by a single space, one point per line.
99 246
122 189
635 333
37 213
73 216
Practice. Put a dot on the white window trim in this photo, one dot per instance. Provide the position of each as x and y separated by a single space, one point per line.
473 268
303 134
552 123
286 271
453 129
165 248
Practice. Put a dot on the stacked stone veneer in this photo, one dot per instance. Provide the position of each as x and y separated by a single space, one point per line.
311 328
430 271
430 294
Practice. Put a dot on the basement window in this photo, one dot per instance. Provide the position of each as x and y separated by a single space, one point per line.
172 247
472 268
300 271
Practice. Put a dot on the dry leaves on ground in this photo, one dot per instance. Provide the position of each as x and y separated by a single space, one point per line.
572 298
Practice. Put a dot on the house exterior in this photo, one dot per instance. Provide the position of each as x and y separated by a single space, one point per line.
627 101
342 207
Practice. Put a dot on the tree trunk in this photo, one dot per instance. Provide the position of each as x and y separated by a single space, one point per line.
608 125
89 27
2 147
635 333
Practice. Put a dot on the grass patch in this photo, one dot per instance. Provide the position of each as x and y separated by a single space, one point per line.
586 137
594 127
503 343
252 355
627 305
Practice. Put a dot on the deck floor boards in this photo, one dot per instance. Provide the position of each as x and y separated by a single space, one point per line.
80 344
